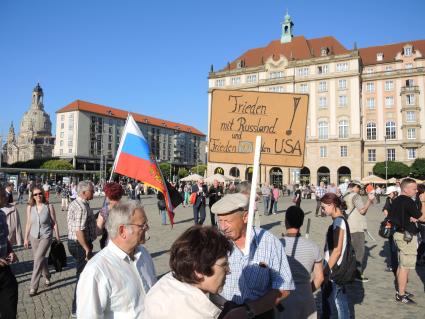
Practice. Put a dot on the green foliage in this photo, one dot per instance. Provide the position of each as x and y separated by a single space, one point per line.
395 169
165 169
182 172
199 169
57 164
34 163
418 168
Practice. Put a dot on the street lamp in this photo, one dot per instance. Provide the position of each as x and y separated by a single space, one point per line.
386 161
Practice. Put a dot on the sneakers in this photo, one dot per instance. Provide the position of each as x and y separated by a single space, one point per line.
47 282
73 315
404 299
408 294
361 278
32 293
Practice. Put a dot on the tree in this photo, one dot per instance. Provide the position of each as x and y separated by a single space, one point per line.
57 164
395 169
182 172
418 168
199 169
165 169
33 163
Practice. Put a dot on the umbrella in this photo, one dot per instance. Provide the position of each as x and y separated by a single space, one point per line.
392 180
191 178
373 179
219 177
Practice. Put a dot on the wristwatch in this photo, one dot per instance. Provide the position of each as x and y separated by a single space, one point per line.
249 313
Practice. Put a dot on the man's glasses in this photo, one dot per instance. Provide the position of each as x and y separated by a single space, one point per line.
225 265
37 194
142 227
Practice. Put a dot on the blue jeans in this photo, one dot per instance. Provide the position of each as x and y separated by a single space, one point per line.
163 217
266 201
334 294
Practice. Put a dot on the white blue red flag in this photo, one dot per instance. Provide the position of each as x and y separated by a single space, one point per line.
135 160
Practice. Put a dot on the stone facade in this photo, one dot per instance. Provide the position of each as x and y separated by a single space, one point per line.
35 139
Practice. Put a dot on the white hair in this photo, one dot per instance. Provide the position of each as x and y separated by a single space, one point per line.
121 214
84 186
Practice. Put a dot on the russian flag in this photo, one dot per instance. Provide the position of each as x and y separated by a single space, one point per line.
134 160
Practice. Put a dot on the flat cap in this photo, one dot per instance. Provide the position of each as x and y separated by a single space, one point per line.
230 203
357 182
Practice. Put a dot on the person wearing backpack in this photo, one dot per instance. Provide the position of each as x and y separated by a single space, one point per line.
340 260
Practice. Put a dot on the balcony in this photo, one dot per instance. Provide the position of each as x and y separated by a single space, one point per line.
409 89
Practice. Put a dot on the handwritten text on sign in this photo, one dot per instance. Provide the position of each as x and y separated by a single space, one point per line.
237 117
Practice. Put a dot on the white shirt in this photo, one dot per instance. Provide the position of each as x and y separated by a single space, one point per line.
46 187
337 222
171 298
114 286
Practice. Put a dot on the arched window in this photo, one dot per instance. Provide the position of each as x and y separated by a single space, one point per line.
390 130
323 130
343 129
371 131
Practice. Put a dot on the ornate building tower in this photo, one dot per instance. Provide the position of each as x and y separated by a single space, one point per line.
287 27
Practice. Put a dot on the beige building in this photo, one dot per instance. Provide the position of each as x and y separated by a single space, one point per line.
88 134
35 139
337 80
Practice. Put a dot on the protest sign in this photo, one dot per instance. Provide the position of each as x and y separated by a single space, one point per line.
237 117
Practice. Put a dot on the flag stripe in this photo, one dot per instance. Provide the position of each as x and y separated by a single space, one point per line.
136 146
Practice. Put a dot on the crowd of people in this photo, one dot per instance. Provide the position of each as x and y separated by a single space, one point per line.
211 276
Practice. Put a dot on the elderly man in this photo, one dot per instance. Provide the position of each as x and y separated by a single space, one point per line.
115 281
263 278
199 206
81 231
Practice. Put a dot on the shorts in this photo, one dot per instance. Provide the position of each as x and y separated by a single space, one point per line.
407 251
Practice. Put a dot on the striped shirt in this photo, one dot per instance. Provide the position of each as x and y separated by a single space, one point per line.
264 269
320 191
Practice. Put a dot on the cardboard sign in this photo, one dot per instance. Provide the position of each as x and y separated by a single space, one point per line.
237 117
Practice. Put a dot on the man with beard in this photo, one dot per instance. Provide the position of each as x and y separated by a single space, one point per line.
115 281
263 278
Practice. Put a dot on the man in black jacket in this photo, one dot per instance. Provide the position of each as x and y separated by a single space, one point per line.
199 206
404 214
215 193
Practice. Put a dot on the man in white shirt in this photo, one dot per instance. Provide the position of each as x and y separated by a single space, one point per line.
115 281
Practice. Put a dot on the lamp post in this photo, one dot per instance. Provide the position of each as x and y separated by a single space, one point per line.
386 161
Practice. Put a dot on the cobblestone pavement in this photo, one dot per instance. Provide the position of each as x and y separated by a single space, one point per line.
374 299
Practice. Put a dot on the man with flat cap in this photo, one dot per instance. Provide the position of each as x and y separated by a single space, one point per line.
263 278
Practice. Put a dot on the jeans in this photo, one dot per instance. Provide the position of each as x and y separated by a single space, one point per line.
163 216
79 254
266 201
21 198
334 294
212 217
8 293
199 214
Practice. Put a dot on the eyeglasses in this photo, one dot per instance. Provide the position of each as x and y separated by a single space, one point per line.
225 265
142 227
37 194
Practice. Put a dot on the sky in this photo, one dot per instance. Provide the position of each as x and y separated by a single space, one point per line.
153 57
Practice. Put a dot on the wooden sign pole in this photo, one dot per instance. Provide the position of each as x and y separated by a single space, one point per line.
253 195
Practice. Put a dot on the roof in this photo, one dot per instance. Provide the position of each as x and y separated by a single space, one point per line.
390 51
298 49
79 105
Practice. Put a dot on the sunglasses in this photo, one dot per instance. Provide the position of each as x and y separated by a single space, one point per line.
37 194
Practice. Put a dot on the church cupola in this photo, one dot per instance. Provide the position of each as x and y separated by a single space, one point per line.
37 97
11 135
287 27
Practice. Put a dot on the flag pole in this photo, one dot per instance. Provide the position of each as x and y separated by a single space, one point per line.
169 205
119 149
253 195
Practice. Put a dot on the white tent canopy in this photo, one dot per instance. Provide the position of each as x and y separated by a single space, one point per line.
191 178
373 179
219 177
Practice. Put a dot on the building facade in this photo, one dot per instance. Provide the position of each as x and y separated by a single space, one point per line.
34 140
365 104
88 134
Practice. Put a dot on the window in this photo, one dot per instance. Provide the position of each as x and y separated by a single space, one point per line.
371 103
371 155
389 85
342 100
62 125
379 56
391 154
323 86
71 116
410 99
235 80
411 133
69 142
62 117
390 130
371 131
323 151
369 70
408 66
411 153
342 67
408 51
276 74
324 51
409 83
251 78
342 84
61 134
61 143
410 116
388 68
389 101
370 87
343 151
323 69
276 89
322 102
61 152
303 72
323 130
303 88
219 82
69 150
343 129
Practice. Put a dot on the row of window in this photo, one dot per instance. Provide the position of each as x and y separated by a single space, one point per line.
390 131
389 101
388 68
343 151
323 129
371 154
388 86
323 69
342 101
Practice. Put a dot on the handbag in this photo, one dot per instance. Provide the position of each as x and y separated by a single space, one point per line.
57 255
386 229
192 198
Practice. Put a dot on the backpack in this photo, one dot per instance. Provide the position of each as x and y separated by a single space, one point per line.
192 198
346 271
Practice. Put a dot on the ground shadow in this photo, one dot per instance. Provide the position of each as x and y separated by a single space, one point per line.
420 270
159 253
367 255
184 221
270 225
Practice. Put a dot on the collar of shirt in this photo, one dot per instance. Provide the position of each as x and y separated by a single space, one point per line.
82 200
122 254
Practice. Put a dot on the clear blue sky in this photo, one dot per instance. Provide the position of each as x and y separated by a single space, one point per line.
153 57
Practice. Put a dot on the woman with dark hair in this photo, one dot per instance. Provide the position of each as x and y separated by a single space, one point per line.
113 192
198 262
41 222
336 244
